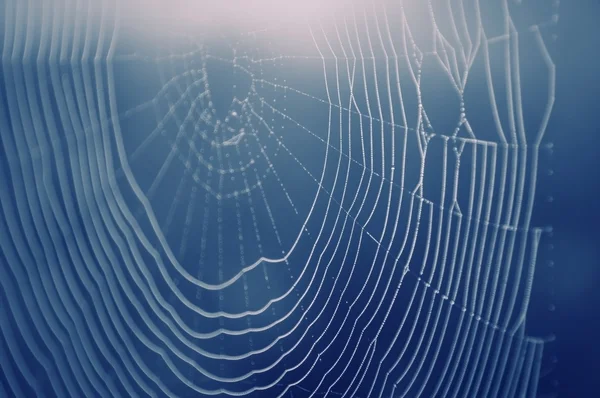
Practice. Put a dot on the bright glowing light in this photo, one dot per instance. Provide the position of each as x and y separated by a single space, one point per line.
234 14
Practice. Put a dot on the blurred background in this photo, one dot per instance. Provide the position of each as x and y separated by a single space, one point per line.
572 185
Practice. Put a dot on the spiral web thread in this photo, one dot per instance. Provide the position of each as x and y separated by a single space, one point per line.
333 230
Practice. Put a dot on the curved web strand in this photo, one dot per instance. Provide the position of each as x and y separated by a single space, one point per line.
344 214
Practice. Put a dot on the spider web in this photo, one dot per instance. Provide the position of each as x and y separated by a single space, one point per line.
348 215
